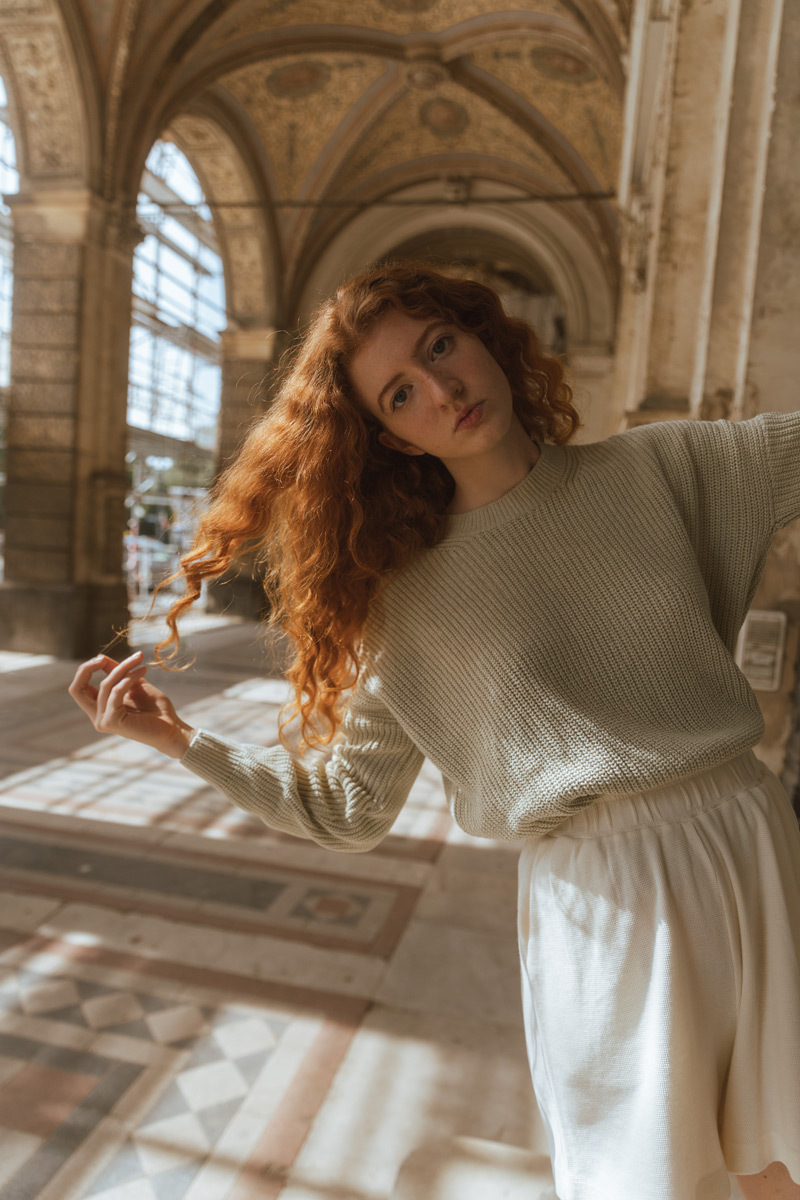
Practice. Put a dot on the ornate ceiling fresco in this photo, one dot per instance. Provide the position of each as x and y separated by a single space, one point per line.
392 16
296 106
568 91
326 104
425 125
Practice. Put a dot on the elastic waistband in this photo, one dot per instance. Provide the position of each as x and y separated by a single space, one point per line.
616 812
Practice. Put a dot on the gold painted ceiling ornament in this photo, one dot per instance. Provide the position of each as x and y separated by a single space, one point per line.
445 118
457 189
425 73
561 65
294 80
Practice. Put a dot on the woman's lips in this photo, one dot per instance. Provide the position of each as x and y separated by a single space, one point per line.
471 417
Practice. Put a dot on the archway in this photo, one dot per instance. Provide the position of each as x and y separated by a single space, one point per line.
520 281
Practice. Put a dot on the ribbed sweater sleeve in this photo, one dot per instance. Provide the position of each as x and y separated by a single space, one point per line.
781 437
347 802
735 483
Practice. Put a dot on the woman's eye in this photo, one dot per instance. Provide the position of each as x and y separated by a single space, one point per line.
440 345
400 397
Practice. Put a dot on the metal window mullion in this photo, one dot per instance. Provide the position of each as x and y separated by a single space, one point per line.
182 336
150 228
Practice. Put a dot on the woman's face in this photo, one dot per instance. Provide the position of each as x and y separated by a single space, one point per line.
433 388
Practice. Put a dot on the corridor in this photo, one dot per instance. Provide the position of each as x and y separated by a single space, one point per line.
193 1007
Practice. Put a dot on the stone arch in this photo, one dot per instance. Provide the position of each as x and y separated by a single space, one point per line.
543 234
52 98
524 286
167 81
247 243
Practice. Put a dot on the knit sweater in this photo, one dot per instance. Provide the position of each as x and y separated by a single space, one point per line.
572 639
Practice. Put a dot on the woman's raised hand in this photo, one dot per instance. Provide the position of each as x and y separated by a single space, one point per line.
125 703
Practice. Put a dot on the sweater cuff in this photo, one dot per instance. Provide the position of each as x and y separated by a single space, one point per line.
208 756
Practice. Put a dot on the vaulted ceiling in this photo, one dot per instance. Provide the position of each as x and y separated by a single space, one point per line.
335 105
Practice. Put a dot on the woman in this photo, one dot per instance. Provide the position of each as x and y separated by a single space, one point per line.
553 626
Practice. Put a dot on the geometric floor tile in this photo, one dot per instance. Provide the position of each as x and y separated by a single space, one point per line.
183 1066
17 1149
95 865
158 1075
37 1099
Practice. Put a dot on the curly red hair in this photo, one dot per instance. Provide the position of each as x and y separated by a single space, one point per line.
331 510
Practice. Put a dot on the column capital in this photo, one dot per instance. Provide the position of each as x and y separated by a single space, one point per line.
52 214
74 215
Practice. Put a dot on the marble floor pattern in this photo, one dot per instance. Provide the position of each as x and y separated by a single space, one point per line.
193 1007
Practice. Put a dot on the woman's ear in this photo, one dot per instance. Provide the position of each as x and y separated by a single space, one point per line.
396 443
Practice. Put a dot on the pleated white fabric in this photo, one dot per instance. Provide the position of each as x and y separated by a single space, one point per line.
660 948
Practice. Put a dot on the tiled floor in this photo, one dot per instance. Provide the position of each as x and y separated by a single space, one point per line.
193 1007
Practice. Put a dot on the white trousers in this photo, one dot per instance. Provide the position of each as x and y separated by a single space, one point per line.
659 939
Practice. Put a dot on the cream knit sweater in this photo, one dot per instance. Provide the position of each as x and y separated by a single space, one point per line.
571 639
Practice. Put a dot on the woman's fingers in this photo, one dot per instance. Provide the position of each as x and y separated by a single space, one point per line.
125 703
81 690
115 710
115 674
94 701
111 694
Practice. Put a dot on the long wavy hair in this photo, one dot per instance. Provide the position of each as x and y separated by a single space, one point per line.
330 510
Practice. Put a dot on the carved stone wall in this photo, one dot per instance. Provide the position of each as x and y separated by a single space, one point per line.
43 82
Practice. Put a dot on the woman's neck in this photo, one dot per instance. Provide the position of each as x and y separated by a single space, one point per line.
482 480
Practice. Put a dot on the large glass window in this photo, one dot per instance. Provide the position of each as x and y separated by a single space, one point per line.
174 373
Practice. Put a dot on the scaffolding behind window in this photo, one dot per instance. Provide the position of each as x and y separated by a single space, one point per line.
174 369
178 306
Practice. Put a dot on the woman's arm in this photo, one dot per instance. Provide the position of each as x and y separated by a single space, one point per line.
347 802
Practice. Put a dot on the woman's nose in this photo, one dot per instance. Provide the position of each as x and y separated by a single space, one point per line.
447 387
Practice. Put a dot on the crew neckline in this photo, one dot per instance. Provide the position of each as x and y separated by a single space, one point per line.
542 479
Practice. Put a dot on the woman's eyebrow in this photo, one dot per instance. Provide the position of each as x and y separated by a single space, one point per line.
417 344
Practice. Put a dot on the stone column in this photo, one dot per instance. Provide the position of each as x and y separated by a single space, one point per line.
695 172
719 391
247 368
247 371
642 188
64 589
771 385
698 77
592 368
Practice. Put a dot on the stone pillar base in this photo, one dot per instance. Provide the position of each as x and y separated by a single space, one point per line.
65 620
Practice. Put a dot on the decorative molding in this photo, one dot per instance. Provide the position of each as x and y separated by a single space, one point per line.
23 10
254 344
224 178
125 33
47 107
425 73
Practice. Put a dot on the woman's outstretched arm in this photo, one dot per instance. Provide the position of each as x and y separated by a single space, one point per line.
348 801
